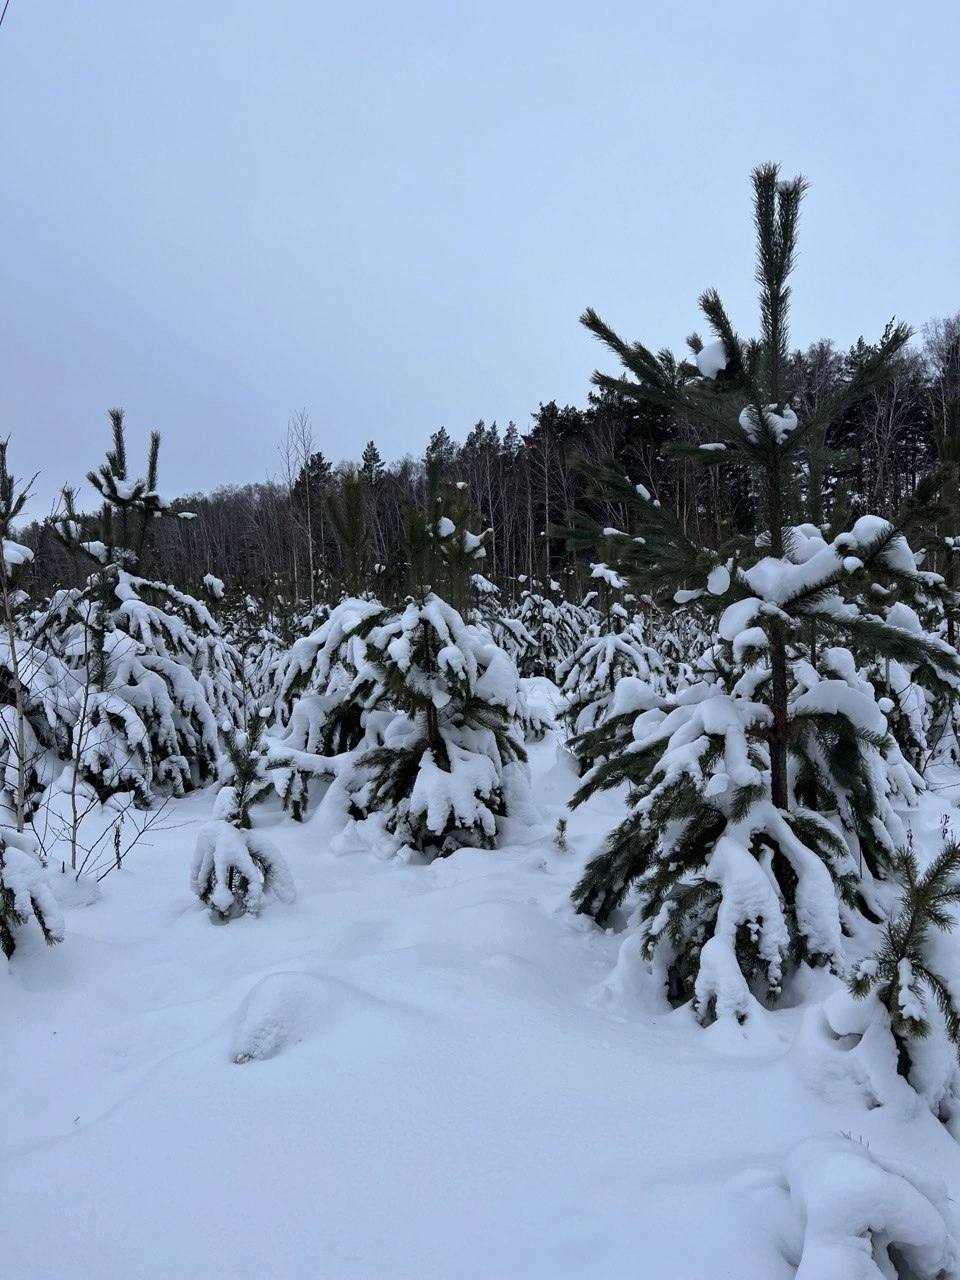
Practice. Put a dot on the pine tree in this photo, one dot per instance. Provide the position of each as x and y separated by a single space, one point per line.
371 463
902 970
27 727
24 893
762 809
347 513
439 774
235 868
554 626
611 673
441 453
234 871
442 748
246 780
321 703
155 677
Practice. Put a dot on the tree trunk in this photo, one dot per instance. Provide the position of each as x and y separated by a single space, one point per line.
778 651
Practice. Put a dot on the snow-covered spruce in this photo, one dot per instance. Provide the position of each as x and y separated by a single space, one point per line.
235 870
443 756
24 893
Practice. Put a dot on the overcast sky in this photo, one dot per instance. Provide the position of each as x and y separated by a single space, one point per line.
392 214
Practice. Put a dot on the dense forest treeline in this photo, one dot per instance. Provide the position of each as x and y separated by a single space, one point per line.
283 539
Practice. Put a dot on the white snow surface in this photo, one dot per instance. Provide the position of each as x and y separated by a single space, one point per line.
435 1071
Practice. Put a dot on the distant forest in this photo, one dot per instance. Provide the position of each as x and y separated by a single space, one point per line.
323 527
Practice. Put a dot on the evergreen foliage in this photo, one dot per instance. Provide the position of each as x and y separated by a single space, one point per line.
761 795
347 512
27 675
246 779
234 871
440 772
555 627
24 893
902 971
152 675
320 706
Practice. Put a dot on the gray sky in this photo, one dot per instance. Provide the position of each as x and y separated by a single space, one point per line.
392 214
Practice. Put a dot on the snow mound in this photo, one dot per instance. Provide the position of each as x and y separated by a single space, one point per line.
865 1218
286 1009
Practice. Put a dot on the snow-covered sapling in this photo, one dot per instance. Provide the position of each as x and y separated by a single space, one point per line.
24 893
155 675
234 868
443 748
591 678
322 696
902 971
445 759
233 871
247 779
761 811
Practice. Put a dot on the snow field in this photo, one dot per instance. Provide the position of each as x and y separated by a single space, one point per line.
415 1071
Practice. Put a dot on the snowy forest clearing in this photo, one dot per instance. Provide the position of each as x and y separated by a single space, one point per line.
590 937
443 1078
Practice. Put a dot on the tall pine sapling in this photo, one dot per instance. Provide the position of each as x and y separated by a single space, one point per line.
761 811
156 674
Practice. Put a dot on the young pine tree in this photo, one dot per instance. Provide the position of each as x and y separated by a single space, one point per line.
321 704
155 675
444 753
611 671
235 868
24 893
761 813
902 971
27 726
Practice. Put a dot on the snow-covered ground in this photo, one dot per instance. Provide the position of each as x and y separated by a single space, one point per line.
443 1073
